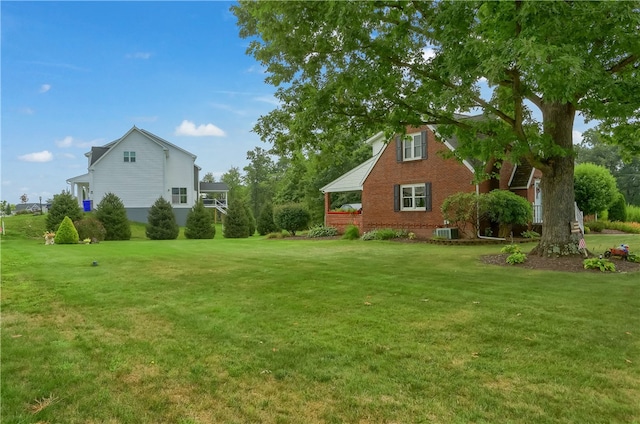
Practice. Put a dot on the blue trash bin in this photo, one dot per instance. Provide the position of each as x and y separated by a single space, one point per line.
87 205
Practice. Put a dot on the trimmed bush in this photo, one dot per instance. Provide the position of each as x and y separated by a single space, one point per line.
162 221
199 223
111 212
67 233
618 209
516 258
90 228
236 221
292 218
352 232
594 186
322 231
64 204
507 209
265 222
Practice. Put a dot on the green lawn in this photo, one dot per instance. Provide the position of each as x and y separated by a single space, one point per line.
304 331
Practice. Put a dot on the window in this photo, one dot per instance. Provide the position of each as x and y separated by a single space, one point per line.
129 156
178 195
412 197
411 147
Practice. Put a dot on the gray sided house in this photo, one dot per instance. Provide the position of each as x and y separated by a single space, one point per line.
139 168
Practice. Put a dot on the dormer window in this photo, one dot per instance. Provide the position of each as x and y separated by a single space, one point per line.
411 147
129 156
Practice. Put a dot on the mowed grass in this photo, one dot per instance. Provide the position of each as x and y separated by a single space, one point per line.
304 331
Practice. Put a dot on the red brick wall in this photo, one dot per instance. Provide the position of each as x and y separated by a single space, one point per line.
342 220
447 177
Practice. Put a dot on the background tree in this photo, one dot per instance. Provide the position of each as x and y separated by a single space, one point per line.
233 179
595 188
387 64
199 223
63 204
208 178
251 221
24 198
625 168
236 221
7 209
161 221
291 218
265 224
111 212
257 178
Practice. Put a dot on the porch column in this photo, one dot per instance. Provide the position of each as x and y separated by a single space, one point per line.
327 205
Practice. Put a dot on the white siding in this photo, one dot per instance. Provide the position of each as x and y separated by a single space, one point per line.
180 169
137 184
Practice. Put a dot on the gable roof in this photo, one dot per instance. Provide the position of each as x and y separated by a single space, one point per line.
353 180
102 150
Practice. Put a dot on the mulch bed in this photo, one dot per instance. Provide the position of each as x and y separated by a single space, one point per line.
568 264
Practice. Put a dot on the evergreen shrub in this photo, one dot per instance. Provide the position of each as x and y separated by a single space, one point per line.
236 221
265 224
64 204
67 233
111 212
199 223
90 228
161 221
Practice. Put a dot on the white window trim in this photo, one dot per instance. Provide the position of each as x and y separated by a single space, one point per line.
413 196
411 138
179 202
128 155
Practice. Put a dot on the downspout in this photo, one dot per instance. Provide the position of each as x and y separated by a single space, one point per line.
478 219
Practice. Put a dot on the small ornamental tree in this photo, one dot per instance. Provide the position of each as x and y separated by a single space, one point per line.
265 220
250 218
90 228
236 222
291 218
67 233
111 212
161 221
507 209
595 188
199 223
618 209
64 204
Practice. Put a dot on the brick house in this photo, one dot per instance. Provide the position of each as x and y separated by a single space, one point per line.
407 179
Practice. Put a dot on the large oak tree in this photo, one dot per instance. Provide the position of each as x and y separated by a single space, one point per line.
365 66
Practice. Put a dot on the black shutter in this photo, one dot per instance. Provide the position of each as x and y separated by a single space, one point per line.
398 149
427 196
396 198
423 135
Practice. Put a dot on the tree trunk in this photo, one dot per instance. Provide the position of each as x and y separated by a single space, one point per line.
557 184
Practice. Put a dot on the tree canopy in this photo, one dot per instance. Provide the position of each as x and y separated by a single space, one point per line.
527 67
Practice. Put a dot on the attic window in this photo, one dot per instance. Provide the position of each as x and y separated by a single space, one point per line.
411 147
129 156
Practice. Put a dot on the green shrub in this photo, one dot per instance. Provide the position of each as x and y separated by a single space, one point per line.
510 248
111 212
633 258
603 265
292 218
236 221
322 231
90 228
199 223
161 221
352 232
276 235
64 204
530 234
265 224
507 209
516 258
633 213
380 234
461 209
618 209
67 233
594 186
595 226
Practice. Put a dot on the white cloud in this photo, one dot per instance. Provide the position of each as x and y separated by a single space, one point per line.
68 156
65 142
139 55
189 128
90 143
270 100
45 87
577 137
26 111
43 156
428 53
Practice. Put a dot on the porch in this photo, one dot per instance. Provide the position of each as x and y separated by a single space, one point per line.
215 195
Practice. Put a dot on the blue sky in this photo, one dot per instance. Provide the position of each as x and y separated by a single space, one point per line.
77 74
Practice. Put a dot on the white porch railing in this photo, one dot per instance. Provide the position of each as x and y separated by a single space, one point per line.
537 213
219 204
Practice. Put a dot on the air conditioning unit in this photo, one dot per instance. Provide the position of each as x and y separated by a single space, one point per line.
448 233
